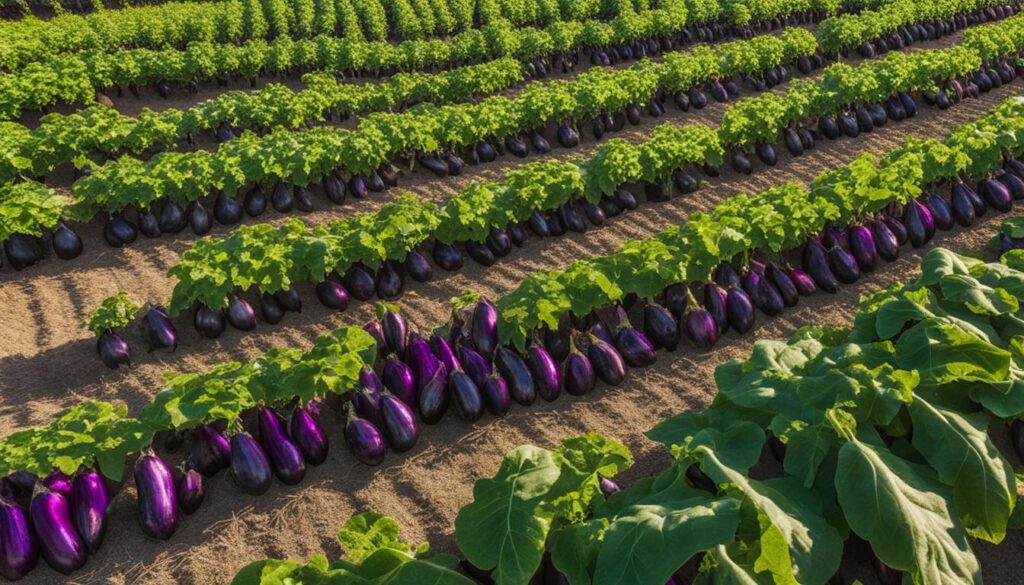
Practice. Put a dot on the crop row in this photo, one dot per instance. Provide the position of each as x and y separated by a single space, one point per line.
454 369
859 425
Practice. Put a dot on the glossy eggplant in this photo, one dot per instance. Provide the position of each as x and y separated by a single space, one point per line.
160 330
862 247
308 436
466 397
546 376
191 491
113 349
199 219
172 217
364 440
516 374
285 456
240 314
149 225
919 223
768 298
396 332
715 302
484 327
66 243
289 299
50 518
208 322
474 364
608 364
996 195
700 327
802 281
157 496
19 553
398 378
332 295
250 466
90 500
636 349
255 202
400 427
270 310
389 282
815 262
444 352
446 256
886 244
118 231
941 212
210 451
660 327
418 267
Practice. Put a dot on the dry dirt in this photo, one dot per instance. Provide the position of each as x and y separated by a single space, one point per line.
47 363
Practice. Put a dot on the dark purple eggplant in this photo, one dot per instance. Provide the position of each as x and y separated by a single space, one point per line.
359 283
484 327
208 322
17 488
498 242
455 164
697 98
447 257
118 231
815 262
59 482
485 151
250 467
897 228
364 440
255 201
783 284
517 234
741 163
609 207
466 397
389 282
474 364
885 241
199 219
480 253
18 551
538 225
792 140
172 217
626 199
308 435
334 188
572 218
739 309
368 379
113 349
50 518
833 236
332 295
367 401
374 183
715 299
396 332
751 281
556 341
766 152
544 371
210 451
357 186
66 243
434 164
828 128
768 298
160 330
191 491
303 199
699 479
725 275
963 208
941 212
495 395
539 144
157 495
908 103
241 314
431 379
1014 184
400 427
1014 167
660 327
843 265
516 146
578 373
633 114
270 311
516 374
285 456
418 267
608 364
802 281
862 247
996 195
567 136
90 499
686 183
149 225
398 378
919 222
289 299
636 349
444 352
600 329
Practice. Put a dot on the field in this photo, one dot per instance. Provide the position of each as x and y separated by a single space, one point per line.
49 362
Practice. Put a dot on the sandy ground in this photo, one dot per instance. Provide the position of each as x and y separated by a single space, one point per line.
47 363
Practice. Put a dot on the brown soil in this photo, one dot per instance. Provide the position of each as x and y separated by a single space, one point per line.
47 363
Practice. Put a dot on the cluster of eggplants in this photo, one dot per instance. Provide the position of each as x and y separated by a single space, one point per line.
23 250
927 31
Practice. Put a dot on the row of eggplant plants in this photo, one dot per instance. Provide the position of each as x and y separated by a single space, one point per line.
489 220
387 377
606 98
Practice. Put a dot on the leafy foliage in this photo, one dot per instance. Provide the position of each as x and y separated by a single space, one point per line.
115 311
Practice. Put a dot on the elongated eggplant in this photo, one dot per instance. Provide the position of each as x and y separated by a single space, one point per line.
864 120
241 314
334 188
539 144
556 341
400 427
741 163
474 364
444 352
481 253
516 374
208 322
608 364
516 146
466 397
255 201
909 105
303 199
455 164
843 265
626 199
434 164
418 266
996 194
886 244
50 518
636 349
484 327
898 229
250 466
191 491
726 275
18 551
567 136
769 299
160 330
793 143
210 451
199 219
919 222
289 299
715 299
374 182
286 458
398 378
1013 183
1014 167
751 281
396 332
357 186
766 152
783 284
828 128
364 439
517 234
660 327
802 281
113 349
308 436
941 212
359 283
389 282
700 328
486 152
157 495
546 377
862 247
963 208
367 401
815 262
90 499
495 395
172 217
609 207
578 373
697 98
66 243
431 380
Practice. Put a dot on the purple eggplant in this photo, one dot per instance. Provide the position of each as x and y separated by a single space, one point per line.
567 136
50 517
769 299
897 228
783 284
199 219
332 295
444 352
418 267
172 218
833 236
715 299
396 332
255 201
157 495
447 256
484 327
149 225
636 349
556 341
862 247
751 282
498 243
480 253
368 379
546 377
360 283
308 435
607 486
210 451
398 378
281 198
843 265
660 327
432 392
389 282
474 364
66 243
17 488
90 499
815 262
118 231
495 395
739 309
18 551
1014 183
208 322
250 466
334 188
303 199
113 349
364 440
59 482
676 299
367 403
725 275
285 456
996 195
942 215
240 314
376 331
516 374
191 491
607 362
270 310
578 373
700 328
466 396
886 244
919 222
400 427
160 329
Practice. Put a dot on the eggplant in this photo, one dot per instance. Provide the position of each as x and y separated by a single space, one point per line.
364 439
16 489
376 331
516 146
485 151
495 395
516 374
455 164
567 136
848 124
864 120
793 143
636 349
241 314
739 310
919 222
226 211
726 275
59 482
908 103
434 164
546 377
160 330
484 327
700 328
682 100
963 208
697 98
897 228
303 199
172 217
400 427
740 163
286 458
499 243
50 518
19 553
685 182
367 402
843 265
539 144
308 435
360 283
475 365
289 299
480 253
941 212
660 327
113 349
607 486
199 219
418 267
886 244
334 188
766 152
210 451
815 262
368 379
446 256
607 362
191 491
557 342
862 247
431 378
255 201
357 186
578 373
1013 183
66 243
609 207
149 225
281 198
157 495
89 501
118 231
389 282
396 332
398 378
208 322
768 298
886 574
1014 167
996 194
751 280
626 199
633 114
715 301
517 234
374 182
270 311
332 295
878 115
783 285
444 352
250 467
828 128
469 403
802 281
572 218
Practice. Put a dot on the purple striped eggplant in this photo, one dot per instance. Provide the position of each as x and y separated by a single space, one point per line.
919 222
250 467
546 377
516 374
210 451
636 349
484 327
58 482
996 195
843 265
862 247
739 309
886 244
578 373
783 284
396 332
18 551
400 427
815 262
466 397
285 456
157 496
308 435
191 491
660 327
606 361
50 518
160 330
90 499
495 395
715 302
364 439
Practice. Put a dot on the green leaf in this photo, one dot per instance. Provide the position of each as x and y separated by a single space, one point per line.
115 311
942 353
366 533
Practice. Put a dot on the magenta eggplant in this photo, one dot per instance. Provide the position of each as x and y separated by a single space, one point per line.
607 362
919 222
191 491
608 486
739 310
18 551
285 456
398 378
802 281
495 395
516 374
58 481
862 247
250 467
544 371
700 327
332 295
157 497
396 332
400 427
364 440
484 327
578 373
308 435
444 352
368 379
90 499
367 404
210 451
636 349
50 518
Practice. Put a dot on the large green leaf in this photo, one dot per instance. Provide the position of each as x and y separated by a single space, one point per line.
738 442
942 353
721 567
